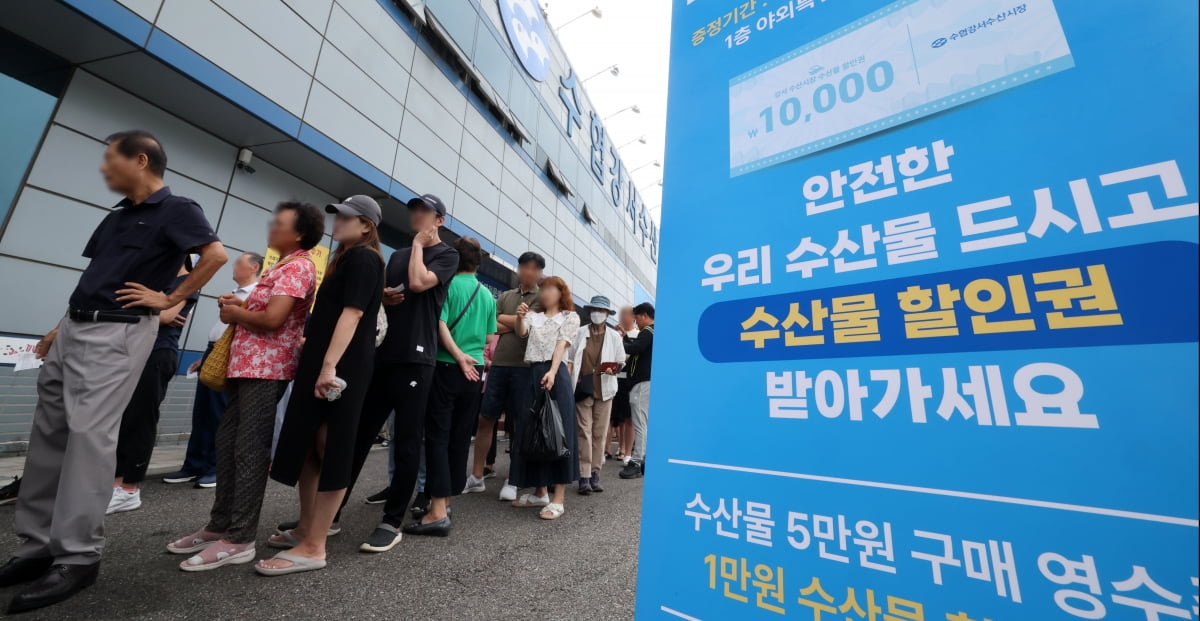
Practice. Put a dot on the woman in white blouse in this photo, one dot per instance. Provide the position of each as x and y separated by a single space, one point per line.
549 334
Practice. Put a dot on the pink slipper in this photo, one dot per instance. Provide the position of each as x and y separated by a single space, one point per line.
194 542
220 554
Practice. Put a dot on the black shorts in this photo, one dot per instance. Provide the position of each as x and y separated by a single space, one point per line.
620 408
507 390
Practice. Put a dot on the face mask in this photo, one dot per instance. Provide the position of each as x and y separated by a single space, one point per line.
599 317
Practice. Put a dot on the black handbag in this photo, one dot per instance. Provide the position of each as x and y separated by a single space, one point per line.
544 439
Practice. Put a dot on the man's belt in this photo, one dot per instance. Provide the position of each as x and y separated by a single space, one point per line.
120 315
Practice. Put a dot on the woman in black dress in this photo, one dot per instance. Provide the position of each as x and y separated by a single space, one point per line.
316 442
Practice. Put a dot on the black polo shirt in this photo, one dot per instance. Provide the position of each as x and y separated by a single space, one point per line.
412 335
144 243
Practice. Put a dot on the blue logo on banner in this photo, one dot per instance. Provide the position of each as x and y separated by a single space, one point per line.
527 34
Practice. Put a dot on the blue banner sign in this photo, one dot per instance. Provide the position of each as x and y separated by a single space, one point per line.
927 314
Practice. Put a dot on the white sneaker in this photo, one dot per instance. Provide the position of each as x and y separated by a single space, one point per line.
474 485
124 501
508 492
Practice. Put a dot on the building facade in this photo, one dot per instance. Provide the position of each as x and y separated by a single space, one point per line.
471 100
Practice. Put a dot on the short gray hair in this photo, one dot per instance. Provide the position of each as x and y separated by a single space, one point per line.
255 259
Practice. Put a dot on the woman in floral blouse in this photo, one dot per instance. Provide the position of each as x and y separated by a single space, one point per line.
550 333
268 333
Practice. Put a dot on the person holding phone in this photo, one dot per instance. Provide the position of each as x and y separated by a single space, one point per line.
550 333
596 355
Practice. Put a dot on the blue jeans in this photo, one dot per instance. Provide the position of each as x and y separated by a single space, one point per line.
207 409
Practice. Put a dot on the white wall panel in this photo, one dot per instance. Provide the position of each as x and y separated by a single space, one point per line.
269 186
478 186
69 164
478 156
34 314
36 231
315 12
244 226
237 50
510 239
338 120
382 27
346 35
280 26
428 145
416 174
354 86
474 215
516 190
425 72
484 132
210 199
421 104
97 108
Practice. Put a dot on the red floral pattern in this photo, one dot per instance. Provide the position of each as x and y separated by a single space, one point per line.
275 355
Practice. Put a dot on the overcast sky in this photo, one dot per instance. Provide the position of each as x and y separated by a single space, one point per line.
635 36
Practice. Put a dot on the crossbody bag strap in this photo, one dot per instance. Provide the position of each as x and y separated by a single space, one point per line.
462 312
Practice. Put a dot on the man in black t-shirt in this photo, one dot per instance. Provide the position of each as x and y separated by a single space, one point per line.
417 281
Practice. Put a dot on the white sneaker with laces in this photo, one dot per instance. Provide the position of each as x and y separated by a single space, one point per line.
474 485
124 501
508 492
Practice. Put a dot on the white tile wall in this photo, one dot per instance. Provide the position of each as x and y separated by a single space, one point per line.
315 12
428 145
422 178
68 164
243 225
343 77
278 25
36 230
96 108
474 215
478 156
376 21
346 35
237 50
348 127
480 187
34 314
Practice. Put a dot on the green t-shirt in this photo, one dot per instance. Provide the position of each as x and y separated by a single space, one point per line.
471 332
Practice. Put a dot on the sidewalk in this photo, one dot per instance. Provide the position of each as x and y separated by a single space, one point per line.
166 458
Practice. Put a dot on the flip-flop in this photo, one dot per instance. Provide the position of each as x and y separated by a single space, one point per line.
299 564
289 541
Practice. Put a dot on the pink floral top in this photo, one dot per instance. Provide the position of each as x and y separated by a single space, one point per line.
274 355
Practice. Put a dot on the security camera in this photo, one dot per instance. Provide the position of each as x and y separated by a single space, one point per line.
245 156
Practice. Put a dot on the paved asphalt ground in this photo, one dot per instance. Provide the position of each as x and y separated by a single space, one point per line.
500 562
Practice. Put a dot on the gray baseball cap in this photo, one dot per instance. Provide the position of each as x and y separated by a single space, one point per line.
430 202
358 205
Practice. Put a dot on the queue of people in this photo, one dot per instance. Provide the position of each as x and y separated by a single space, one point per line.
449 362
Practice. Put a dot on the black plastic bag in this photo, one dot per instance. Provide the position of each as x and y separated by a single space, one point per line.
544 439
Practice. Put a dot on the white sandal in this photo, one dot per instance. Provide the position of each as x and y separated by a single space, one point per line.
529 500
552 511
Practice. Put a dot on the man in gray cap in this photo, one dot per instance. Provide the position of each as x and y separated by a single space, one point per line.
417 282
595 356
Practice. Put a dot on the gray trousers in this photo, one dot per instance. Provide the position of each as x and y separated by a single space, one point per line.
639 408
87 379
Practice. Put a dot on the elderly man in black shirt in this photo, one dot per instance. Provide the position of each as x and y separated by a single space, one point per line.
92 363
